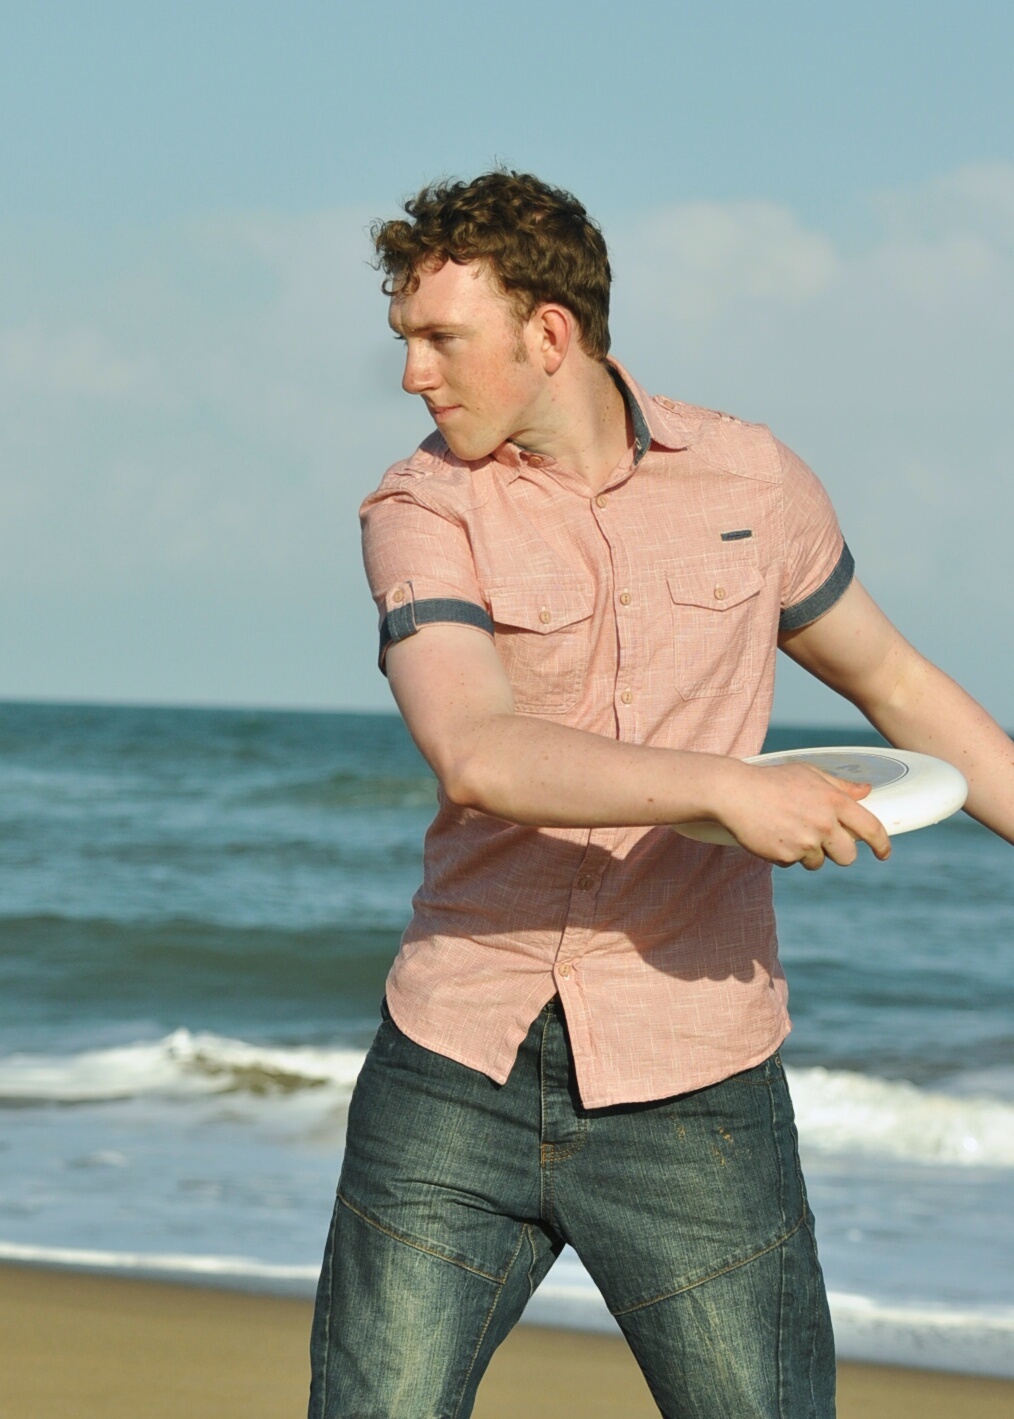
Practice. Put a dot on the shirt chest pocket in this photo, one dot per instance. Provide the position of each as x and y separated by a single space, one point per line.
542 629
715 625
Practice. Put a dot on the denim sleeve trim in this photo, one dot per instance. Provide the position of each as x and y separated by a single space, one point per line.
826 596
405 620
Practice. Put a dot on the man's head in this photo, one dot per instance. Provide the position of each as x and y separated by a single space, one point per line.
536 242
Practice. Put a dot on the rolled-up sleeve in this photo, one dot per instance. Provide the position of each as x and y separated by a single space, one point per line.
818 566
419 565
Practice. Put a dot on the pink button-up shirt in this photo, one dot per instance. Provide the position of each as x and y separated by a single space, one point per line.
648 613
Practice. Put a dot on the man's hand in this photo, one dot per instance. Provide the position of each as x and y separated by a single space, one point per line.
791 813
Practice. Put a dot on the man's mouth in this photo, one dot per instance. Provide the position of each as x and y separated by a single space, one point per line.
439 411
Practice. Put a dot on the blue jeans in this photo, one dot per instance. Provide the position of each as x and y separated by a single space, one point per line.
457 1195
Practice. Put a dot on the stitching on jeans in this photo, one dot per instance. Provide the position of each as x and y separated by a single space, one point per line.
562 1154
545 1149
325 1367
722 1271
779 1333
488 1321
418 1246
775 1066
534 1261
813 1349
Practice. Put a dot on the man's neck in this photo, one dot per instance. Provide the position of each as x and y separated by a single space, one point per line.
585 425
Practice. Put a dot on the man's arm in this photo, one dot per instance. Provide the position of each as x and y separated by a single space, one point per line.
454 694
857 652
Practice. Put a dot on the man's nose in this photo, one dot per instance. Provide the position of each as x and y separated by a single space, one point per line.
418 376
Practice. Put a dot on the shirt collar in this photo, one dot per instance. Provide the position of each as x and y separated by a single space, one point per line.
654 421
664 422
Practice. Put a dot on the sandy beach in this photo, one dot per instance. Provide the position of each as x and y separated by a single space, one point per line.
96 1347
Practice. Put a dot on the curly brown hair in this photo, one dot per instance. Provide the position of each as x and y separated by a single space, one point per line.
538 242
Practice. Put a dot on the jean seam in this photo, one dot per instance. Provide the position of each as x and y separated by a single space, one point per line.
545 1149
419 1246
534 1261
813 1356
714 1275
805 1222
325 1367
779 1366
487 1322
775 1064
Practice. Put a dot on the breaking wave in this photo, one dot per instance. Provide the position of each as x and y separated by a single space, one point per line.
837 1111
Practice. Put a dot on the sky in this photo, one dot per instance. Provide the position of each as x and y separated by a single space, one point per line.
810 211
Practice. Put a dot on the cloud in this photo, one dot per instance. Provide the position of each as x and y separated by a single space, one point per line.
195 422
707 257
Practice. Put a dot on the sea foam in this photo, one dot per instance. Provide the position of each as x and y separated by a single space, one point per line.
180 1066
838 1111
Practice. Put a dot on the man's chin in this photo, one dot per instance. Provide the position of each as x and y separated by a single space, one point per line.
468 450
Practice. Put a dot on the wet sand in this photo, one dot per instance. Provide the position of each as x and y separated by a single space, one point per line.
97 1347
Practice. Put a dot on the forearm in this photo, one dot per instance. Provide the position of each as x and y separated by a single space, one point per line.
457 702
925 710
855 649
545 774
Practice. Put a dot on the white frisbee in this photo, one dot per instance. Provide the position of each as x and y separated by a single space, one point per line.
909 790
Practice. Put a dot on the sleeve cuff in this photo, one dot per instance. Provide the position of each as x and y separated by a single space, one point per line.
405 621
826 596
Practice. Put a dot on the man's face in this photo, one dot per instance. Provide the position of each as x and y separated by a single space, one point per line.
468 359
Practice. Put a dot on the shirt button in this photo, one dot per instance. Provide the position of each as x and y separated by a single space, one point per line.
545 617
627 697
625 598
565 969
601 500
398 598
585 882
719 593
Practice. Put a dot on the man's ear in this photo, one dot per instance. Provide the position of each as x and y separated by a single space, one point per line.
555 329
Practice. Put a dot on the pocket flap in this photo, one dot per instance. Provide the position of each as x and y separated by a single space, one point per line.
542 606
715 587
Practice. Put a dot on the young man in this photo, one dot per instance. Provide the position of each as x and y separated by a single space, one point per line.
582 590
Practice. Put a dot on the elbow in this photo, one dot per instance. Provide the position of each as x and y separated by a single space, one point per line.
464 784
471 779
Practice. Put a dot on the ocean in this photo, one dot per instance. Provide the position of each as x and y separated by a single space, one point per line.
198 909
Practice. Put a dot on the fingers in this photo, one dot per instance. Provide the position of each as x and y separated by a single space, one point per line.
835 822
813 859
791 813
861 824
